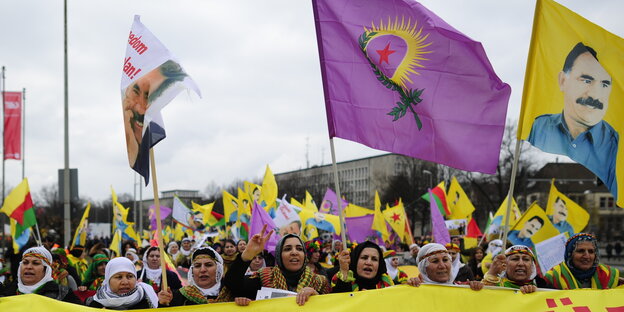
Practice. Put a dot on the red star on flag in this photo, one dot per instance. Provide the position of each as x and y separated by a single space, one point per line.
383 54
396 217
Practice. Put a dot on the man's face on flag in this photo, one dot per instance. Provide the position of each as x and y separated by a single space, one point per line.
530 227
135 104
586 89
560 211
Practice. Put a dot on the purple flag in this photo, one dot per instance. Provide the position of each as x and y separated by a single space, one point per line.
438 226
259 217
398 78
164 213
360 228
330 203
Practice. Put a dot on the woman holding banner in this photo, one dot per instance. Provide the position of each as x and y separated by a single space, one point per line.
436 267
363 268
518 270
204 279
581 267
35 277
121 290
291 272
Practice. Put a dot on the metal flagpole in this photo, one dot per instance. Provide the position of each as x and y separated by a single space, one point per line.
66 181
343 230
3 105
23 132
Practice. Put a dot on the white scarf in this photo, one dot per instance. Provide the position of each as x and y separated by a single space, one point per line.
175 255
186 253
153 275
214 290
109 299
494 247
390 270
46 277
132 252
423 262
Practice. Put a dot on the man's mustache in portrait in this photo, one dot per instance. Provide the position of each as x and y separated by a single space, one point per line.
590 101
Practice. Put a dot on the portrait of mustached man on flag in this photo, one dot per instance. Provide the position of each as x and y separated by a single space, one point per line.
573 93
151 78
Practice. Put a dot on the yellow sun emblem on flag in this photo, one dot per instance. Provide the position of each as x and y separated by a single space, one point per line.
402 46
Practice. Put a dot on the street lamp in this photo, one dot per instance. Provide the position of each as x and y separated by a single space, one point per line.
425 171
424 213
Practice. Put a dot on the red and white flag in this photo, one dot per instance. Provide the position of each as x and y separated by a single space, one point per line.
13 125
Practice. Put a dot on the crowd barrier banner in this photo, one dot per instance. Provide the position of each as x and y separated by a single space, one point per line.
398 298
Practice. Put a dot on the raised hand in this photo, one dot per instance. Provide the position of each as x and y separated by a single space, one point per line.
344 257
499 265
256 244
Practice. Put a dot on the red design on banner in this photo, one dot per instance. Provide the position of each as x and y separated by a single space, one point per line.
13 125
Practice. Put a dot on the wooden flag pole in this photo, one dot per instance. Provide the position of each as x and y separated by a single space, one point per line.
514 170
343 230
161 247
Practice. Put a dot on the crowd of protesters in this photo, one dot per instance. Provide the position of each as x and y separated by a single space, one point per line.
234 271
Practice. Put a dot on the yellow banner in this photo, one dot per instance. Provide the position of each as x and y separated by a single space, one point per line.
574 72
397 298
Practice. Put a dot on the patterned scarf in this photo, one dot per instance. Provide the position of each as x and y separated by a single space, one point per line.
384 281
273 277
194 294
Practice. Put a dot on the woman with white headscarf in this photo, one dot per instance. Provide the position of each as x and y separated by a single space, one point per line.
173 250
204 278
515 269
121 290
35 277
152 273
435 266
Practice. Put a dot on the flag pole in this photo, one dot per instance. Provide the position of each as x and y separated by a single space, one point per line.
38 234
23 132
514 170
66 179
3 106
343 230
161 247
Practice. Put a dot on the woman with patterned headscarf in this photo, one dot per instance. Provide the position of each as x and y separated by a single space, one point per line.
515 269
581 267
435 266
121 290
291 272
313 254
95 274
34 276
204 278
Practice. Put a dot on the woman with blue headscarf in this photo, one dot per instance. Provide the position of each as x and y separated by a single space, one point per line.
581 267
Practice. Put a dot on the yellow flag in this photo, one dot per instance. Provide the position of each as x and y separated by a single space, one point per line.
116 243
309 203
533 227
206 211
566 215
379 223
295 202
245 202
269 188
230 205
574 72
395 216
458 202
253 191
80 237
357 211
120 220
178 232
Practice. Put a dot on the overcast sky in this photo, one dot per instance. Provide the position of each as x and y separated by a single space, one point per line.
256 63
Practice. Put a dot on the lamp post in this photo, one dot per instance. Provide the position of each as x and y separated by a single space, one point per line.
424 213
